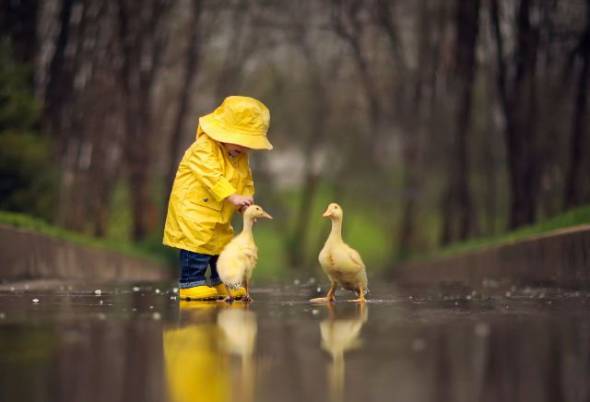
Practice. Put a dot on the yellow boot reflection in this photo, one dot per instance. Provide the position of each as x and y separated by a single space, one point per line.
196 367
239 330
340 335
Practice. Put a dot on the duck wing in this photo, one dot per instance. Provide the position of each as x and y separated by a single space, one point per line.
355 257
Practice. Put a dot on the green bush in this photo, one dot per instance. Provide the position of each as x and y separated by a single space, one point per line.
27 175
19 110
27 180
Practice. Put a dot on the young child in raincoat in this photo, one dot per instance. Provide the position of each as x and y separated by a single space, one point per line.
212 182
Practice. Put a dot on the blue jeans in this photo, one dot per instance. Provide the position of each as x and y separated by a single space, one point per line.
193 267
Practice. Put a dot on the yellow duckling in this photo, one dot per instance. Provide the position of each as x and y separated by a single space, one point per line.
340 262
238 259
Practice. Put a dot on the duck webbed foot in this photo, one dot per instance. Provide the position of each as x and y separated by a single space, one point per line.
361 298
321 300
330 297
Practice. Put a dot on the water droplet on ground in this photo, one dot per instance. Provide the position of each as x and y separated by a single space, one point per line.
419 345
482 329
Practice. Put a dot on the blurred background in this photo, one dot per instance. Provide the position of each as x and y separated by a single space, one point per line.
431 122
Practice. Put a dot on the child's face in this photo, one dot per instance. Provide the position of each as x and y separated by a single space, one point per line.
234 149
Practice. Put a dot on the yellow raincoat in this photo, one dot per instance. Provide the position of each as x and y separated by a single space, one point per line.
199 217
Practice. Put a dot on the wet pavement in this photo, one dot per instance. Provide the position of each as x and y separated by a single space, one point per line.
139 343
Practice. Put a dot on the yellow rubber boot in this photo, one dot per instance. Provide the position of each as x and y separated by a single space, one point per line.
198 293
235 293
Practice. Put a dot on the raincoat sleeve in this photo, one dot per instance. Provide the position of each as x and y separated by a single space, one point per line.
249 186
208 168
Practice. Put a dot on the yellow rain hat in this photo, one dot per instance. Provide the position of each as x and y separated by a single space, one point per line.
239 120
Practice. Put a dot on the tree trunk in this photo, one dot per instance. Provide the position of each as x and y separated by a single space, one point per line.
241 47
319 110
62 116
190 70
142 37
458 221
411 141
59 84
18 21
517 97
573 182
348 26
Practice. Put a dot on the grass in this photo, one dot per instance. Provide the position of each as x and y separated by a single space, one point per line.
272 260
365 229
27 222
573 217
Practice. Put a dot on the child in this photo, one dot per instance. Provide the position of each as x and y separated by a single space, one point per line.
212 182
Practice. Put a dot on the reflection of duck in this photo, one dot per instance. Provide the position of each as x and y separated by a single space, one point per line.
196 368
338 337
340 262
239 330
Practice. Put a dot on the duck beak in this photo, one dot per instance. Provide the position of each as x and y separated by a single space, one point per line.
327 214
266 215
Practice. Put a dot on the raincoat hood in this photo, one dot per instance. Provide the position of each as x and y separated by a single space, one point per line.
238 120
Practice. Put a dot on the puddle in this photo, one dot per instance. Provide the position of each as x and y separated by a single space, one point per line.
139 343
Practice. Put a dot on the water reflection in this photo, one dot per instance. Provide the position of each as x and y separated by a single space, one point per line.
198 352
239 330
196 367
138 346
340 334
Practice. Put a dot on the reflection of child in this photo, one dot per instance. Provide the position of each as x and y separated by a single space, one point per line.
196 367
212 181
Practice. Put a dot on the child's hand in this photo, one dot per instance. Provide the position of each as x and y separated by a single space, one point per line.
240 201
